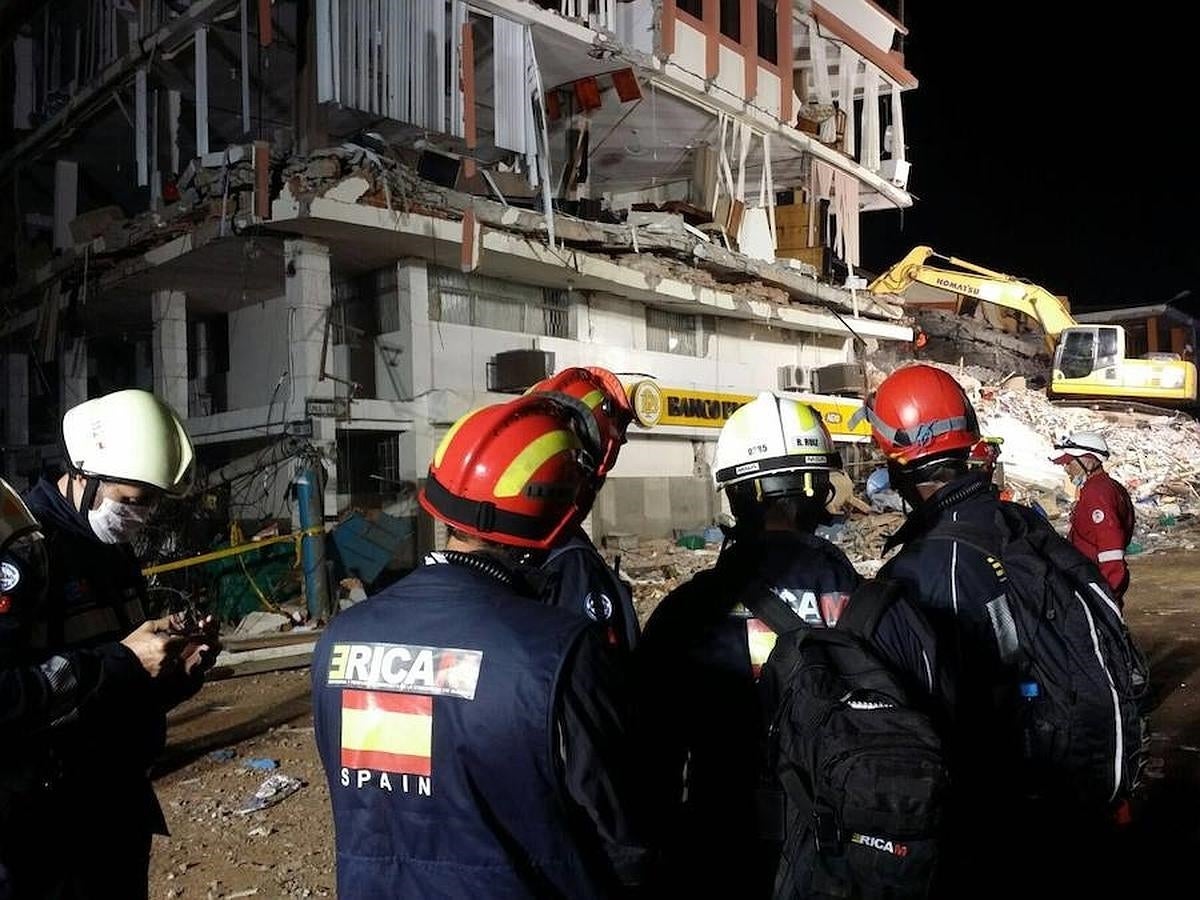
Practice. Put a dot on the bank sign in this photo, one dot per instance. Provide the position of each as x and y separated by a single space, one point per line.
654 404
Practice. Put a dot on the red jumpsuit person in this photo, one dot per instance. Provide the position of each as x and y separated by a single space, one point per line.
1102 520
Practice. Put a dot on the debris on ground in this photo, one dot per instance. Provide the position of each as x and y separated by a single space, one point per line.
276 788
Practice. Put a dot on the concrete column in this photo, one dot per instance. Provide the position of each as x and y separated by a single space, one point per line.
309 296
169 350
73 373
16 399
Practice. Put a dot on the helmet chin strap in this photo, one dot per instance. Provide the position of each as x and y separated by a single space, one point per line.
91 487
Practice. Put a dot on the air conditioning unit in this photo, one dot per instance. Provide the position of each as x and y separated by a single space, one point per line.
840 378
896 171
795 378
515 371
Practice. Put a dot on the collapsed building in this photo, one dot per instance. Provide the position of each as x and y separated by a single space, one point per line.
332 227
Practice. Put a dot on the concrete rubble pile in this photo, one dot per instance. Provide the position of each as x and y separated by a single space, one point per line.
660 244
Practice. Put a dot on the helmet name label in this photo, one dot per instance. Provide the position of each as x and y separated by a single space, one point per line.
436 671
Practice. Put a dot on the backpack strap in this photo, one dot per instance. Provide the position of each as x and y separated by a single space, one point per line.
867 605
770 607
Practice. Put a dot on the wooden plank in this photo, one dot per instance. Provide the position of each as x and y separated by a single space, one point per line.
262 178
468 63
245 39
141 128
784 56
266 32
263 641
201 90
173 109
259 666
66 198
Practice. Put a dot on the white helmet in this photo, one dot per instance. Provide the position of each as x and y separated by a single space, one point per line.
1081 443
774 435
129 436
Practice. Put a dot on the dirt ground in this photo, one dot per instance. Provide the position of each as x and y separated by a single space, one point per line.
286 850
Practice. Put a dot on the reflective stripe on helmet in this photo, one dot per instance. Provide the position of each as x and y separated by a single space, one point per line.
1069 444
516 476
780 465
923 434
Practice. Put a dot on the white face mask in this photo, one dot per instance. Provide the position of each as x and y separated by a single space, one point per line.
117 523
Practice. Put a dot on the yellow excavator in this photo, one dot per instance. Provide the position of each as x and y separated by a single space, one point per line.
1089 360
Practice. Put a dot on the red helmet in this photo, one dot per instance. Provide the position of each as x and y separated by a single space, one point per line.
603 398
512 473
986 452
920 412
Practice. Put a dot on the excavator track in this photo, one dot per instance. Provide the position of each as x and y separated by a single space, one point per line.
1133 407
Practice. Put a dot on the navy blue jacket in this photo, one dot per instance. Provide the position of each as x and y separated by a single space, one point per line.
575 576
469 744
699 662
952 583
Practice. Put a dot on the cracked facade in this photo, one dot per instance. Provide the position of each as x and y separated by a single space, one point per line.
343 225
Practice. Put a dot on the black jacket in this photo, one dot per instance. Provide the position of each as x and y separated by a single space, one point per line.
95 597
705 717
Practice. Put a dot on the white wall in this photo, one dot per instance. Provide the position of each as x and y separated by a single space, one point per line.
635 24
768 91
258 354
649 456
731 71
689 48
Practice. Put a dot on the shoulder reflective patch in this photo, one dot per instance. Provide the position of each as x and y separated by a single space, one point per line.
761 641
387 732
10 576
1097 516
598 607
438 671
1004 629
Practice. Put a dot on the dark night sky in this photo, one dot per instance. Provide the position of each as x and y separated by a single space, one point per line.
1064 152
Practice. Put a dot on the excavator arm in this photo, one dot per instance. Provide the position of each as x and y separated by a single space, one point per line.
971 280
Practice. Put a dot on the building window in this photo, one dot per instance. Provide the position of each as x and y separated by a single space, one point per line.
768 38
463 299
681 333
691 7
731 19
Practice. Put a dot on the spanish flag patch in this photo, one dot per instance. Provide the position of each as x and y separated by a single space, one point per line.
761 640
387 732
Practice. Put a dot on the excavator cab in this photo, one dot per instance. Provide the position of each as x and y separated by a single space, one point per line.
1088 349
1089 361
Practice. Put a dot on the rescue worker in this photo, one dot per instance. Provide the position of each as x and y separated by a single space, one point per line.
1102 519
924 424
124 453
474 739
574 574
702 652
44 692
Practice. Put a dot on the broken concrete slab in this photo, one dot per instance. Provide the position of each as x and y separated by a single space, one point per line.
261 622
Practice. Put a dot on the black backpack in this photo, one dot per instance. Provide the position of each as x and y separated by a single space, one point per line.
859 760
1078 678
